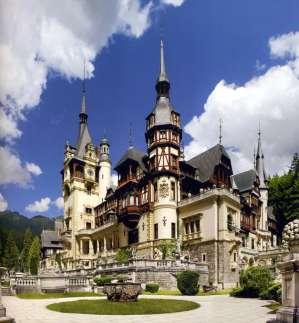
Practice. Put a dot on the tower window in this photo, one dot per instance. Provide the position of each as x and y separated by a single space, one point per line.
88 225
252 243
172 192
204 257
162 134
88 210
156 231
173 230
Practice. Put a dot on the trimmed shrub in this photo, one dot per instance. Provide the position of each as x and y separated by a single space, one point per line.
100 281
187 282
272 293
122 278
152 288
123 255
253 281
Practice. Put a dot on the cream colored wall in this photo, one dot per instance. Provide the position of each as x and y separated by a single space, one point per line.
208 211
104 179
142 232
165 207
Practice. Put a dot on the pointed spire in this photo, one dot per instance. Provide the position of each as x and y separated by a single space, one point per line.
130 136
220 131
83 105
259 162
84 136
162 75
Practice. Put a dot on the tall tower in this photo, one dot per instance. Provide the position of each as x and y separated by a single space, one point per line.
260 170
163 137
80 187
105 168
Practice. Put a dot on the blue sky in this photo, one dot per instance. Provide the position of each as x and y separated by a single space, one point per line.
205 42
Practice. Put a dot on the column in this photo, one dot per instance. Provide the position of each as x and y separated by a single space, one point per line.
105 245
90 247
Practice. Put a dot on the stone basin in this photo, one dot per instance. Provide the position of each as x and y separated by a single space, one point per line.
122 292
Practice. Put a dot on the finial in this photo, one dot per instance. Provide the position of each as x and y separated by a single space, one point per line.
254 157
130 136
83 81
220 131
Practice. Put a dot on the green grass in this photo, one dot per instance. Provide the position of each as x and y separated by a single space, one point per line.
178 293
56 295
273 307
142 306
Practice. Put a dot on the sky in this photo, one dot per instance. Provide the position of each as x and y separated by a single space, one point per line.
233 60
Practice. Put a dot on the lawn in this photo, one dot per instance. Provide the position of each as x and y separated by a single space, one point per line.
178 293
56 295
273 307
142 306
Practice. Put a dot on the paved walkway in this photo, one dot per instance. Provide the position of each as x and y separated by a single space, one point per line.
214 309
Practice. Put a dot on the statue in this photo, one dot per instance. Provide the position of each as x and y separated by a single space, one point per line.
3 317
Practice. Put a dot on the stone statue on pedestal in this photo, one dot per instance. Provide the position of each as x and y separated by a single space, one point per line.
289 269
3 317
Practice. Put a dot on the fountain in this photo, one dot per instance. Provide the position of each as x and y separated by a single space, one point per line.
122 292
3 317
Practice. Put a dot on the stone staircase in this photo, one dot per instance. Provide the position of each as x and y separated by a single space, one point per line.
6 291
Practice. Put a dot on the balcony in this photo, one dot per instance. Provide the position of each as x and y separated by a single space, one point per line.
130 215
191 236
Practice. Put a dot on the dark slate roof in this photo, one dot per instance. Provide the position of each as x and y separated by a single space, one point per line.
245 180
271 215
162 111
50 239
132 154
205 162
83 140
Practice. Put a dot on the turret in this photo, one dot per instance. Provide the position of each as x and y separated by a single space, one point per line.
163 136
105 168
260 170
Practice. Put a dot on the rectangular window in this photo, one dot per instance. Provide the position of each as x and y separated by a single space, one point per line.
235 257
197 226
155 192
173 230
187 228
88 210
162 134
172 193
192 226
243 242
88 225
204 257
156 231
252 243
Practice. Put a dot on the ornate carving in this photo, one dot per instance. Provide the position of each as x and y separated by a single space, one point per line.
164 190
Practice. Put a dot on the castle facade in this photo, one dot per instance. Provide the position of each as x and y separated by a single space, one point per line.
195 209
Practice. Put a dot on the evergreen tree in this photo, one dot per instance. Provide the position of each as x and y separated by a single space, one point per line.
11 253
284 194
34 256
28 239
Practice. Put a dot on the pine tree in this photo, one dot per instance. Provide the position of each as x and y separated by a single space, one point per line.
28 238
34 256
11 253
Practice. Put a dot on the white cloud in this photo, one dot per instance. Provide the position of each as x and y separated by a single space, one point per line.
37 37
34 169
175 3
271 98
3 203
12 171
59 203
39 206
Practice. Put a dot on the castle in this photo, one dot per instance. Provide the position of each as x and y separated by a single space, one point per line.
208 214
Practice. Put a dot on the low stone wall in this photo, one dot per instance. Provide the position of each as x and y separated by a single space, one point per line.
162 272
51 283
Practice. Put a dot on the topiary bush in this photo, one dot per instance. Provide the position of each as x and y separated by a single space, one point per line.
187 282
100 281
152 288
272 293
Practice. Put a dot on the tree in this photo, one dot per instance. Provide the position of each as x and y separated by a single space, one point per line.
284 194
28 238
11 253
34 256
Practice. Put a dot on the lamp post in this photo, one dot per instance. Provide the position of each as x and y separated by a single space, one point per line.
3 317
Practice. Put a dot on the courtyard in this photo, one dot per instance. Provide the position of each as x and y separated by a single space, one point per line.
214 309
